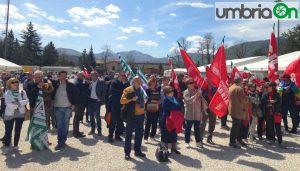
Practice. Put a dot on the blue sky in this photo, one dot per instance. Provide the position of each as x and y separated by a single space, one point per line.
150 26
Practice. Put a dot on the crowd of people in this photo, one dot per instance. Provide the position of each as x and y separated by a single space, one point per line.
255 109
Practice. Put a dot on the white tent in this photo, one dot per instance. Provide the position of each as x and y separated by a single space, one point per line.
258 64
6 65
262 65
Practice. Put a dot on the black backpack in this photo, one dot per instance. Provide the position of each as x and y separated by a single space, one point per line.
162 154
127 111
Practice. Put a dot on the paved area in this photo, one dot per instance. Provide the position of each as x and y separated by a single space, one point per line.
95 153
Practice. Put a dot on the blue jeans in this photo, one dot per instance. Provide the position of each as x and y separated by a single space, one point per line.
189 124
292 109
137 125
94 112
62 115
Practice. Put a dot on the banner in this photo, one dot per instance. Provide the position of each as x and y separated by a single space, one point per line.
192 70
37 131
219 102
175 80
273 60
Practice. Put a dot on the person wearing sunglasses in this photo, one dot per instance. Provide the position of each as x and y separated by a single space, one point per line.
15 101
196 107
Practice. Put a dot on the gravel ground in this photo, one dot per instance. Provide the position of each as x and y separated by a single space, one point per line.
95 153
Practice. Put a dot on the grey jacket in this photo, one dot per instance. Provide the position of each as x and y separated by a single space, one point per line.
195 108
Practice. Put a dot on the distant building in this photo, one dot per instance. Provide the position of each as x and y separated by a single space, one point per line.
147 68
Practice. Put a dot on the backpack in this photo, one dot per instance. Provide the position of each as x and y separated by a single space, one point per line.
162 154
127 111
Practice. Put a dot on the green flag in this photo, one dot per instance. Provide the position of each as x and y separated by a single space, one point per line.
37 131
141 74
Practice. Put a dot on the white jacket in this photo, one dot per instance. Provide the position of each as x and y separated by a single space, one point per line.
12 105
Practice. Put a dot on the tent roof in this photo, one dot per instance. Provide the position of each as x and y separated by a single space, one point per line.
8 66
262 65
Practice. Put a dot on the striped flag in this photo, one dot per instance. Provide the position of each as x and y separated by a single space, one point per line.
129 73
126 68
142 76
37 131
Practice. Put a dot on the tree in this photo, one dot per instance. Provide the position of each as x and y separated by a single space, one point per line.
92 57
209 41
83 60
50 56
292 40
160 67
31 46
202 46
17 52
239 49
10 46
106 54
260 52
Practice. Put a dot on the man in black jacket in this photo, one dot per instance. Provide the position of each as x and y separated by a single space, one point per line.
96 98
115 92
65 99
81 103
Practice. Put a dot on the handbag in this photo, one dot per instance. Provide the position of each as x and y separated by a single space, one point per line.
127 111
152 107
162 154
27 111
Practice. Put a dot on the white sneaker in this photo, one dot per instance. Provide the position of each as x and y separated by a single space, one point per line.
146 141
5 150
187 145
199 145
17 149
152 139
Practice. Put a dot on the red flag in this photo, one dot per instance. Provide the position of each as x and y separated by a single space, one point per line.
175 80
218 67
210 76
293 70
86 72
273 60
193 70
235 73
219 102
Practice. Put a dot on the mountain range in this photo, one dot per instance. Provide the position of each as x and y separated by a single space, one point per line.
252 48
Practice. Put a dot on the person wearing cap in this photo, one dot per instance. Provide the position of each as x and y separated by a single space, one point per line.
237 110
271 103
287 90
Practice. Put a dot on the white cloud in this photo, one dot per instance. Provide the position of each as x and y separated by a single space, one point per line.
195 43
15 27
174 48
147 43
135 20
13 12
121 38
195 4
51 31
112 8
120 45
161 34
75 28
98 21
35 11
173 14
132 29
93 17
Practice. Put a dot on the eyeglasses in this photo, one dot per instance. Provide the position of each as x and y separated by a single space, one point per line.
191 83
15 82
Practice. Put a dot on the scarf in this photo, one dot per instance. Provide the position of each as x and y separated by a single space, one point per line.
140 95
293 87
172 99
15 94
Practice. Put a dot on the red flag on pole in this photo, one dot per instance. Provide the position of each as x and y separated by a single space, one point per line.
218 67
273 59
175 80
86 72
235 73
192 70
293 70
219 102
